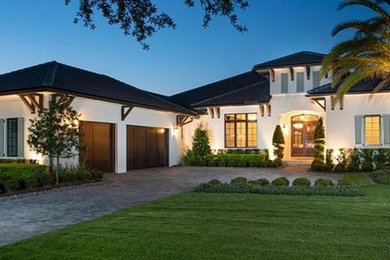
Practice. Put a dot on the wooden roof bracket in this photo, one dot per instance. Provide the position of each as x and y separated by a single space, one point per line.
272 73
263 107
292 73
308 72
211 112
321 102
62 99
33 101
125 111
183 120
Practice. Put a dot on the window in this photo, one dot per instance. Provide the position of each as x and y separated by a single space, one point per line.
12 137
300 82
372 130
240 130
316 79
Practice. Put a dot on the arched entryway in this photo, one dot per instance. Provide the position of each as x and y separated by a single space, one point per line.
302 135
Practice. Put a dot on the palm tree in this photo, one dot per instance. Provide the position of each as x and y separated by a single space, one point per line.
367 55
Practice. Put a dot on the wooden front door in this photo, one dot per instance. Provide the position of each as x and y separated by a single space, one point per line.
302 135
99 145
147 147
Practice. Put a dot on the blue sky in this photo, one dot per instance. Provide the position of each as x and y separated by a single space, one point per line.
34 32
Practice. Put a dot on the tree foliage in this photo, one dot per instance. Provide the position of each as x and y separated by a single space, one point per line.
141 18
319 141
201 143
367 55
55 133
278 143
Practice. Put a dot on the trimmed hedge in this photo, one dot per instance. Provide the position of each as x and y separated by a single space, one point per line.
234 160
281 181
261 182
302 182
324 183
238 180
346 191
381 176
28 161
19 176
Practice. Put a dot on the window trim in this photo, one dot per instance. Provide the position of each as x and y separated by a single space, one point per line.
7 137
380 131
235 121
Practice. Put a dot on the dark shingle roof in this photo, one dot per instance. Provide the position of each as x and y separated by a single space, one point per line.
299 58
252 94
218 88
54 76
365 86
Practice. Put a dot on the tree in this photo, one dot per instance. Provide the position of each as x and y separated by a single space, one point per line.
55 133
201 143
365 56
278 143
318 163
141 18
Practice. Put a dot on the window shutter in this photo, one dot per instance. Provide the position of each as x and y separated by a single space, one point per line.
2 137
284 79
386 129
358 129
316 79
300 82
21 137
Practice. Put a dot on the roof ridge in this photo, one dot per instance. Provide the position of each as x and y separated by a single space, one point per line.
167 101
50 76
289 56
228 93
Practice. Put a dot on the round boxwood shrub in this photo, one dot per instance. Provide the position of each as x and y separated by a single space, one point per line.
239 180
281 181
302 182
318 166
231 163
261 182
214 182
324 183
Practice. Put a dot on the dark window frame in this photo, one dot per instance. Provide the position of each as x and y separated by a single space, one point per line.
12 151
235 121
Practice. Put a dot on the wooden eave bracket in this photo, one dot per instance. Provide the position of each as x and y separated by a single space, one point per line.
292 73
33 101
333 102
62 99
308 72
125 111
211 112
183 120
265 107
319 102
272 73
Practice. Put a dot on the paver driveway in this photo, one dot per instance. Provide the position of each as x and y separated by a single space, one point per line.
30 215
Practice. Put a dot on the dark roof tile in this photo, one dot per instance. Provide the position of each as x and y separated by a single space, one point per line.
299 58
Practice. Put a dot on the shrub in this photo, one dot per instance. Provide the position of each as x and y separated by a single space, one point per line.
189 158
214 182
31 181
17 175
242 163
367 156
232 163
302 182
354 161
212 163
381 176
318 166
324 183
95 175
329 165
281 181
200 143
221 163
238 180
319 143
381 158
278 143
12 185
261 182
253 163
347 191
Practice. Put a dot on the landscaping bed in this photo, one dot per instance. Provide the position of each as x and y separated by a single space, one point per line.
280 186
20 178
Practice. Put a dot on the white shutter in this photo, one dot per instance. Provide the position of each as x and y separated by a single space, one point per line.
386 129
358 130
21 137
2 130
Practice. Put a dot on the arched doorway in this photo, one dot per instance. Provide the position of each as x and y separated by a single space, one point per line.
302 135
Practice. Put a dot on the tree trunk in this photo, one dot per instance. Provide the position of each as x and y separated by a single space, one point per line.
51 164
57 170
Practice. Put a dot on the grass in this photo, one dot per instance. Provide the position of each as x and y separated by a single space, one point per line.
228 226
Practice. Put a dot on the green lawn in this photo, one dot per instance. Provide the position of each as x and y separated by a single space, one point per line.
228 226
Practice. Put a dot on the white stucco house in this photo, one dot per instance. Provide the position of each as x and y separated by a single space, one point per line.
127 128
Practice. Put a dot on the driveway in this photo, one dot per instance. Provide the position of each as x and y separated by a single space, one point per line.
29 215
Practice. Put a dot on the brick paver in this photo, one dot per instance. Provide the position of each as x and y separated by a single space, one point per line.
29 215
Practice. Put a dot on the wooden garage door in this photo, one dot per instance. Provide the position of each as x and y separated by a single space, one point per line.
99 145
146 147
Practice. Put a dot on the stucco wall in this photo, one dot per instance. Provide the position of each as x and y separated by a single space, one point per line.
108 112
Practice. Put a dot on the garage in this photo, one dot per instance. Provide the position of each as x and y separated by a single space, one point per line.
147 147
98 141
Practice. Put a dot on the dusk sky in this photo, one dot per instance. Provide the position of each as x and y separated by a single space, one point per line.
34 32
